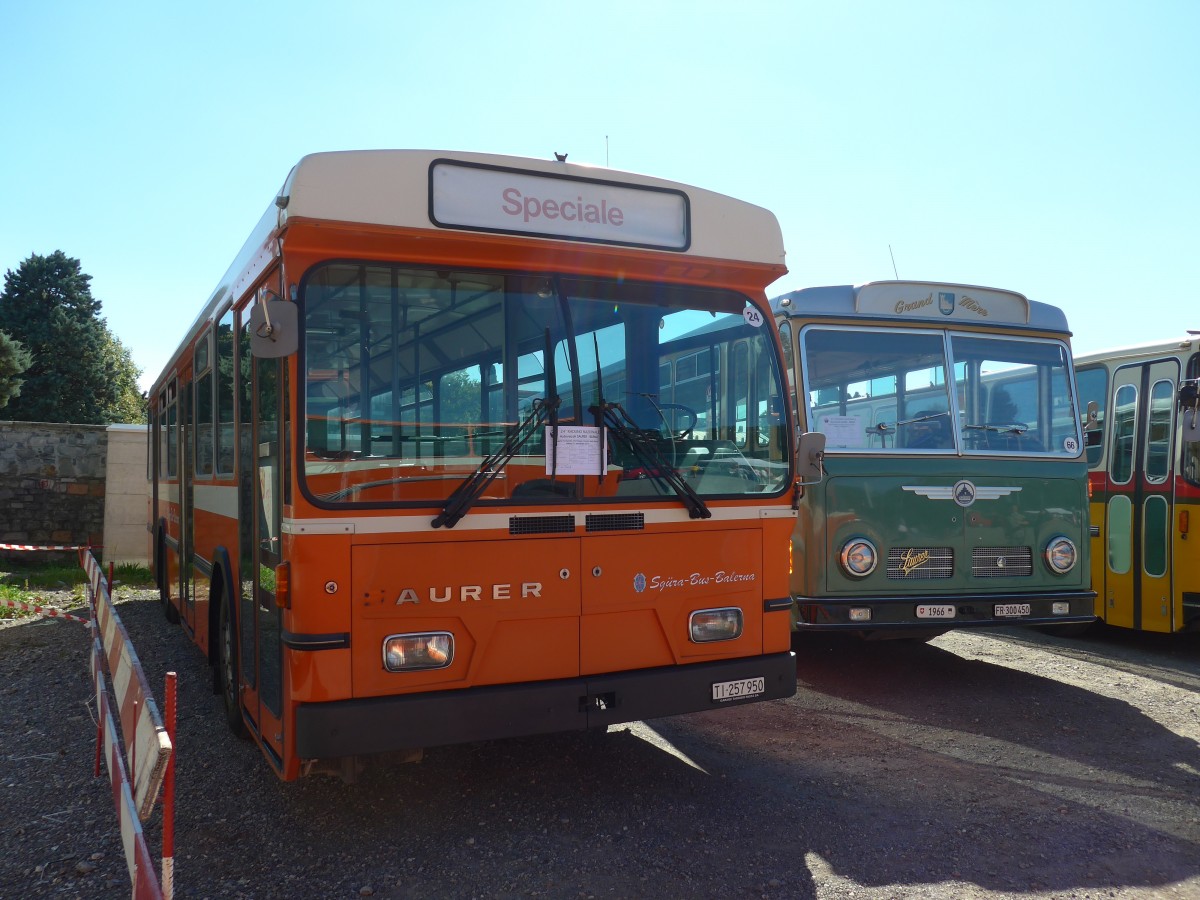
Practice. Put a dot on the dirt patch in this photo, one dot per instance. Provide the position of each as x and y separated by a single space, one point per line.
981 765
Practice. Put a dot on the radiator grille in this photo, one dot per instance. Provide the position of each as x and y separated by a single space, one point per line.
1001 562
541 524
616 522
907 563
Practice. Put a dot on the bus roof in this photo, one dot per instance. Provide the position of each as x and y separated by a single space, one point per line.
439 189
530 197
927 301
1189 344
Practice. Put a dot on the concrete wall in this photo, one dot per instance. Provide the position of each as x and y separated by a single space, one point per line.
74 484
125 496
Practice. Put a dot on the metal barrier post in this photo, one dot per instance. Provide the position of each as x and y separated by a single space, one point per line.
168 824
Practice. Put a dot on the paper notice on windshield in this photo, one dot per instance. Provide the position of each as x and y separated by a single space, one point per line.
580 450
842 431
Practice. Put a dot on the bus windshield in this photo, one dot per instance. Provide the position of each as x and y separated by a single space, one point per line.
418 379
873 390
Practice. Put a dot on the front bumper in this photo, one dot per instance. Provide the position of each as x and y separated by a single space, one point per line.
435 718
891 613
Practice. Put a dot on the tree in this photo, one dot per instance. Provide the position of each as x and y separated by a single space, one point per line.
14 359
80 372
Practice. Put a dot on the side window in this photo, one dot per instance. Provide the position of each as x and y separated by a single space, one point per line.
172 432
1093 385
1159 426
226 427
1120 529
202 368
785 336
1123 435
161 429
740 392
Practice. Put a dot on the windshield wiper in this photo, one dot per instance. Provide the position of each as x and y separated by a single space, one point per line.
653 463
886 427
1014 428
472 487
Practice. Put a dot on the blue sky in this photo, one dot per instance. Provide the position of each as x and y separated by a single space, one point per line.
1052 148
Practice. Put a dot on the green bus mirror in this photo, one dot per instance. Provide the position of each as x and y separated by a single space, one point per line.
810 457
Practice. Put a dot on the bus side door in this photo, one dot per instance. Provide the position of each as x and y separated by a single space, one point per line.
1139 507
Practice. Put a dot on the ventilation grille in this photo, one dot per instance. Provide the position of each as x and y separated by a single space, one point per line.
906 563
1001 562
616 522
541 524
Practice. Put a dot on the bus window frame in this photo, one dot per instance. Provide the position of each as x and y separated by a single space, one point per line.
891 400
224 388
1117 450
1153 477
1095 452
203 384
1045 394
683 345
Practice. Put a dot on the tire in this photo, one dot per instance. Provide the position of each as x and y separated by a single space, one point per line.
170 611
227 673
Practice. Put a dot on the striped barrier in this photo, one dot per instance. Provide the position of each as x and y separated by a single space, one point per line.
50 611
42 610
133 839
136 778
49 546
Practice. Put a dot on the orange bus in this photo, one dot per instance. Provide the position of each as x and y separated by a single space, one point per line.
465 447
1145 483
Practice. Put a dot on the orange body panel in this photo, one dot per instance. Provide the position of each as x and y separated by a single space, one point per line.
532 609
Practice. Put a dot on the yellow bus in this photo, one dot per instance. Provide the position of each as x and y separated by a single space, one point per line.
955 488
1145 483
466 446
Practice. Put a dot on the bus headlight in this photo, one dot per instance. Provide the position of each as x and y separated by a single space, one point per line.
707 625
859 557
1061 555
408 652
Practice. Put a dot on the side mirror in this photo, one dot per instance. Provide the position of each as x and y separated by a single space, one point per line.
1189 399
274 329
1093 433
1191 426
810 457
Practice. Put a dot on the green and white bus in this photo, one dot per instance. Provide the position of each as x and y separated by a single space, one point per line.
952 489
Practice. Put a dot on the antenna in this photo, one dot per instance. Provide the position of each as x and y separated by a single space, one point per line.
606 151
893 256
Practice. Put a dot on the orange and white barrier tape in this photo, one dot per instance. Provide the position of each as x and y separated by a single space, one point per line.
141 724
133 838
50 611
148 744
48 547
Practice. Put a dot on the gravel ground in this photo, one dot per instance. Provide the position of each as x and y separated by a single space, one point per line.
981 765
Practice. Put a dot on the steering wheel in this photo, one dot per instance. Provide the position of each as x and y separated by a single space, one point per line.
688 411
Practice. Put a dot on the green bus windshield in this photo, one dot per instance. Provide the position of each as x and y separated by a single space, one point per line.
911 391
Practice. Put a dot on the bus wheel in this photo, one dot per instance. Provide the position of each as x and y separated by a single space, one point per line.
170 611
227 671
